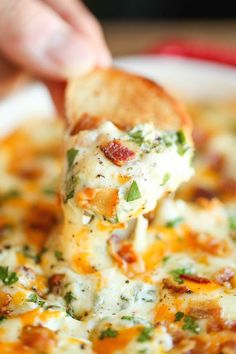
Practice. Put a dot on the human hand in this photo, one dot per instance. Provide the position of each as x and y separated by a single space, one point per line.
53 39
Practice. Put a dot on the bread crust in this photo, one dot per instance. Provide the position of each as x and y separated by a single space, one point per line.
125 99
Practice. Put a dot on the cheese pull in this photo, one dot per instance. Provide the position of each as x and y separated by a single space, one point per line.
120 159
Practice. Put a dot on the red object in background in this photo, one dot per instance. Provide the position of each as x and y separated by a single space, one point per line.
197 50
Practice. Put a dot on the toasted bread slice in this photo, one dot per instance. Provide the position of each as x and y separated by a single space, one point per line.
123 98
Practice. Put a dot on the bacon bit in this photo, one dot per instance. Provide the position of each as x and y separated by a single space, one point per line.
224 275
40 220
101 200
123 253
202 192
216 161
26 169
200 138
184 346
228 347
122 250
116 152
175 288
195 278
150 216
39 338
228 187
209 244
30 172
5 300
127 253
55 282
204 310
86 122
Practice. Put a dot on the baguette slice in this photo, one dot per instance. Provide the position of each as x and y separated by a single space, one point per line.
123 98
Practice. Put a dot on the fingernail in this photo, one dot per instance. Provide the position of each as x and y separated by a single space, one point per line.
72 53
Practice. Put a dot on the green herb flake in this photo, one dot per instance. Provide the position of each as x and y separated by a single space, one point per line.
123 298
69 297
108 333
182 146
33 297
130 318
71 155
7 277
71 313
49 191
13 193
190 324
142 351
177 272
38 256
137 137
181 138
58 255
145 335
166 178
178 316
232 222
175 222
133 193
165 259
2 318
70 188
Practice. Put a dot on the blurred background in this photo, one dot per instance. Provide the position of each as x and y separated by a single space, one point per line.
131 26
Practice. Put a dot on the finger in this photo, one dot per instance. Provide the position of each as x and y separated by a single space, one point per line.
57 91
78 16
11 77
35 37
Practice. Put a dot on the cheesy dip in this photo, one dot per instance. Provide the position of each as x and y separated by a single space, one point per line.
130 279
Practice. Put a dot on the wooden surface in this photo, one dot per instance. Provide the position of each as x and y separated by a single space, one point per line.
132 37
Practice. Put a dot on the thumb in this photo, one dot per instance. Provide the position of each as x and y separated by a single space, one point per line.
33 36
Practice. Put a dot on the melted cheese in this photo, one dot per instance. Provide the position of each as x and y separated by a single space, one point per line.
127 294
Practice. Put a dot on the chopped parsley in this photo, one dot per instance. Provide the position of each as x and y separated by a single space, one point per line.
69 297
131 318
49 191
181 138
58 255
108 333
71 155
70 188
175 222
190 324
178 316
177 272
39 255
28 253
137 137
182 147
133 193
166 178
33 297
232 222
13 193
145 335
2 318
165 259
6 277
123 298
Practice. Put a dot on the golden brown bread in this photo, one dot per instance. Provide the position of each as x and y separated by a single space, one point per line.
123 98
